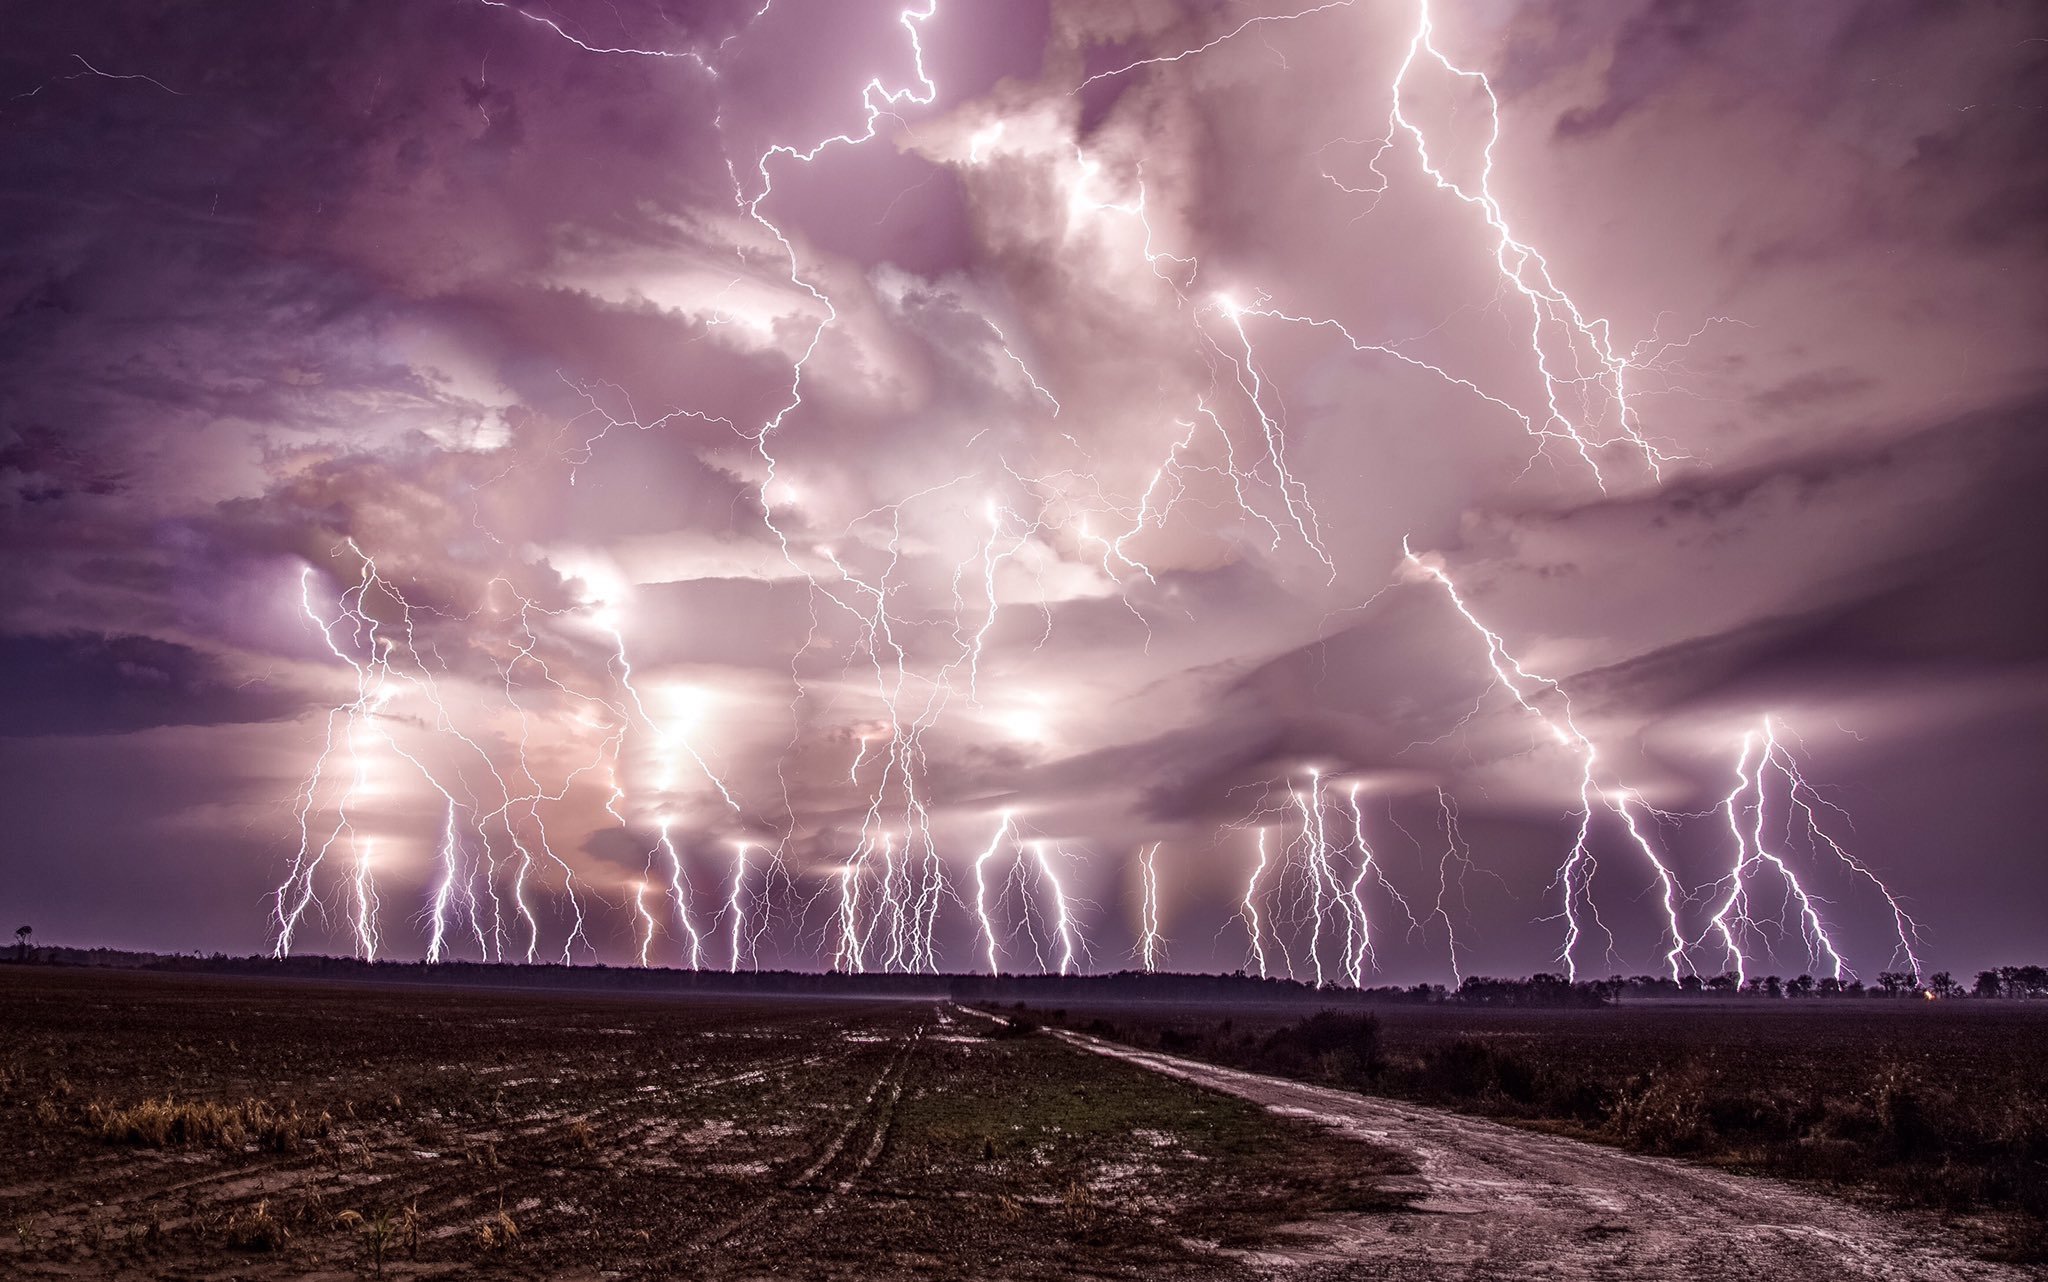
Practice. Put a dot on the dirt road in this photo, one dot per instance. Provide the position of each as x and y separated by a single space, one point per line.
1507 1203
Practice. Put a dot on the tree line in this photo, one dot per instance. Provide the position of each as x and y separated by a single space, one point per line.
1538 990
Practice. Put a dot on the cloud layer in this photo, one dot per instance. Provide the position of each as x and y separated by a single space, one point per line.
644 477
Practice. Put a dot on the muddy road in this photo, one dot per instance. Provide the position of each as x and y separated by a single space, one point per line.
1497 1202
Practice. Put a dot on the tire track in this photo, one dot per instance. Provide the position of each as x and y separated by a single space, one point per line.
837 1165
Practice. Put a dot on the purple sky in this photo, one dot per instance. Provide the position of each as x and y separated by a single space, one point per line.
1013 460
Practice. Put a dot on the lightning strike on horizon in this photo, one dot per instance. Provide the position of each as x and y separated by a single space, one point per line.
371 653
1359 955
1248 907
1150 945
679 893
1307 888
1804 799
981 909
735 905
647 925
446 891
1455 851
366 901
1063 921
1732 921
847 958
1575 874
1314 839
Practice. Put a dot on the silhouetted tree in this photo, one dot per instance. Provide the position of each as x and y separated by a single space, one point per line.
1945 985
21 938
1800 987
1988 984
2023 981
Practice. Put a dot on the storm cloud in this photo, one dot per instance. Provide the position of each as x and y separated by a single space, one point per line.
498 350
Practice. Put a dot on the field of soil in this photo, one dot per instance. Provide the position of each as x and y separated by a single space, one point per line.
189 1127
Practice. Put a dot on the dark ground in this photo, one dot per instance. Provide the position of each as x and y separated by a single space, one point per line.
186 1127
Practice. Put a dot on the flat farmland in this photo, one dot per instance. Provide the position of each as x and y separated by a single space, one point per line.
209 1128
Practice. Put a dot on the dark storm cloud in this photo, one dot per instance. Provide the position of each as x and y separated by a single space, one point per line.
429 283
80 683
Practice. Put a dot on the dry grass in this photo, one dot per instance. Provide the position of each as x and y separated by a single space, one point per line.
172 1123
497 1233
255 1230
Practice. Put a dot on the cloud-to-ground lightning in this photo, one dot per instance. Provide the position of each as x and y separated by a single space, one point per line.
1248 907
1575 874
886 851
981 897
1761 760
1151 946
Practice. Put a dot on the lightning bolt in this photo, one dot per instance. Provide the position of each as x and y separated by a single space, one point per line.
1150 945
679 893
1575 874
366 901
895 883
1753 849
647 926
1558 327
1198 50
981 908
735 904
1248 907
1063 922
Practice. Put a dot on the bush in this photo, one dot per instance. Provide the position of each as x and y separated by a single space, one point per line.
1467 1069
1664 1112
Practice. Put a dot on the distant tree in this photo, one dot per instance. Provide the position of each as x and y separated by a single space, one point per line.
1800 987
1892 982
1722 985
1945 985
1773 986
22 935
1831 987
1854 988
1690 985
1989 984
